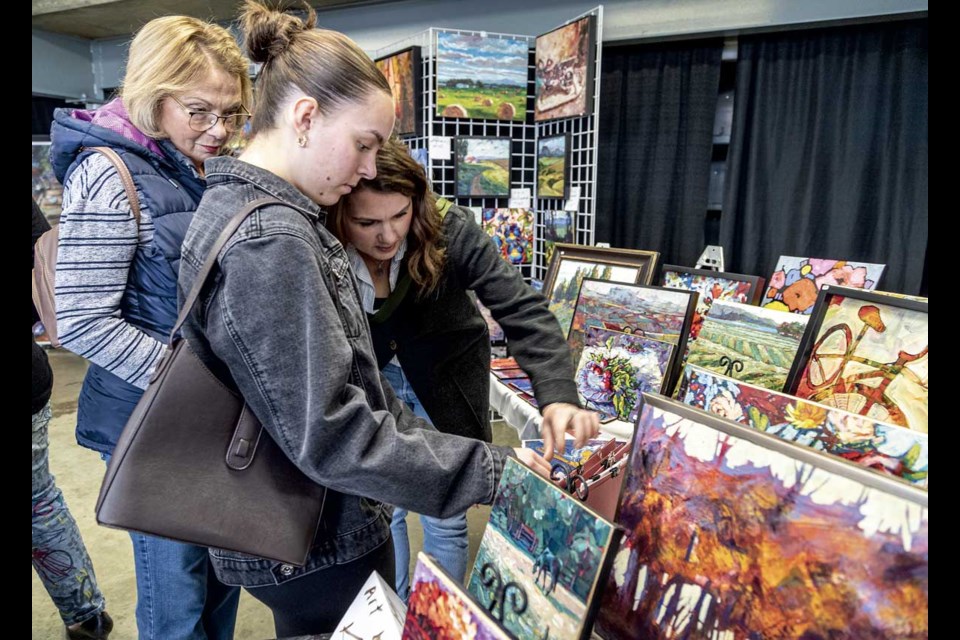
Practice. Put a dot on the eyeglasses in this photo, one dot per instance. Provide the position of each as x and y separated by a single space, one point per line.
201 121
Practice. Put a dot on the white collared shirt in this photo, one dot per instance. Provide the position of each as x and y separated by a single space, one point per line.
368 291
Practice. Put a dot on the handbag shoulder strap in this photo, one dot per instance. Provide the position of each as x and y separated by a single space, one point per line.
125 178
211 259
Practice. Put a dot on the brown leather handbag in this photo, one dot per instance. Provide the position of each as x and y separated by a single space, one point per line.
194 464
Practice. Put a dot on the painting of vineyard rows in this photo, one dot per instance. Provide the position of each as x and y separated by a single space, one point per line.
883 447
748 343
736 535
542 557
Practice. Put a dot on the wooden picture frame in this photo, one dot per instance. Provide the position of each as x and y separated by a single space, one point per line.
751 296
564 70
834 349
402 71
547 172
635 266
482 176
716 512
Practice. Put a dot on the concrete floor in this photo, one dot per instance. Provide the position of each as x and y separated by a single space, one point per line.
78 473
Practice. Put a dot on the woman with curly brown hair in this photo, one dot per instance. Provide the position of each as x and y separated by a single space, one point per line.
415 257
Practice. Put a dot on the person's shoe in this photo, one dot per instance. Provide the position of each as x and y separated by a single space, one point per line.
96 628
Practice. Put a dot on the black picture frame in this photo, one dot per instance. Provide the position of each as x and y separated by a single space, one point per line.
818 315
460 159
551 78
672 374
411 83
756 282
551 193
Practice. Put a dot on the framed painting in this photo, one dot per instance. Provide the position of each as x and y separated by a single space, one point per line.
733 533
402 71
482 76
553 166
482 167
653 312
794 284
512 233
557 227
749 343
571 263
884 447
440 608
565 70
614 368
711 285
47 190
541 559
866 352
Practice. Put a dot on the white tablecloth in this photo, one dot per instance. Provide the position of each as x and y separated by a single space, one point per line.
521 415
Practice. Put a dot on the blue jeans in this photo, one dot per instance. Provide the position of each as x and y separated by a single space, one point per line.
59 555
443 538
178 596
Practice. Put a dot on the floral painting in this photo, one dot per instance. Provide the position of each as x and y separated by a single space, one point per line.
748 343
870 356
542 556
615 368
794 285
654 312
735 535
440 609
512 233
482 76
883 447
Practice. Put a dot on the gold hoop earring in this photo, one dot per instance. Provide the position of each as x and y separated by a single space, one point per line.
302 140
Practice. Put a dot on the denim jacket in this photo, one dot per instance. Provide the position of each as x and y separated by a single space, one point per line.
283 317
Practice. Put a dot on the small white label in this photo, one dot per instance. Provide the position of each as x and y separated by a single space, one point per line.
439 147
518 203
520 193
477 214
573 202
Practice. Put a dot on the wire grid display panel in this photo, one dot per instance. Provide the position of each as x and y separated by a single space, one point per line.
523 146
582 158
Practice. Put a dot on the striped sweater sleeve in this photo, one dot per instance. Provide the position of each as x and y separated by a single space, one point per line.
97 242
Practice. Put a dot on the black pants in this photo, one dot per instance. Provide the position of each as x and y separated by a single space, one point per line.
315 603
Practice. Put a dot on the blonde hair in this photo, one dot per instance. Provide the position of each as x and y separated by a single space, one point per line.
171 54
326 65
398 172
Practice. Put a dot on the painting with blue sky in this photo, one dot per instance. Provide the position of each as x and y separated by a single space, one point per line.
482 76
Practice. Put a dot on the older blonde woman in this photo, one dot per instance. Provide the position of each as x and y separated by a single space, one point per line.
183 96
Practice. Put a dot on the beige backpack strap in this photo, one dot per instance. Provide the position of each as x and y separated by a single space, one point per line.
125 178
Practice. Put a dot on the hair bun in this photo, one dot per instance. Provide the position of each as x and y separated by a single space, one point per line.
268 32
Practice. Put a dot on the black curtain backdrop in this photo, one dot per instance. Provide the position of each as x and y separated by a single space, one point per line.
657 109
828 152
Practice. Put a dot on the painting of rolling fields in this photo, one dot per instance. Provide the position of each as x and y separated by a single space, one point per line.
748 343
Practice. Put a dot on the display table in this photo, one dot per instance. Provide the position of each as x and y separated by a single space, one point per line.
523 417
